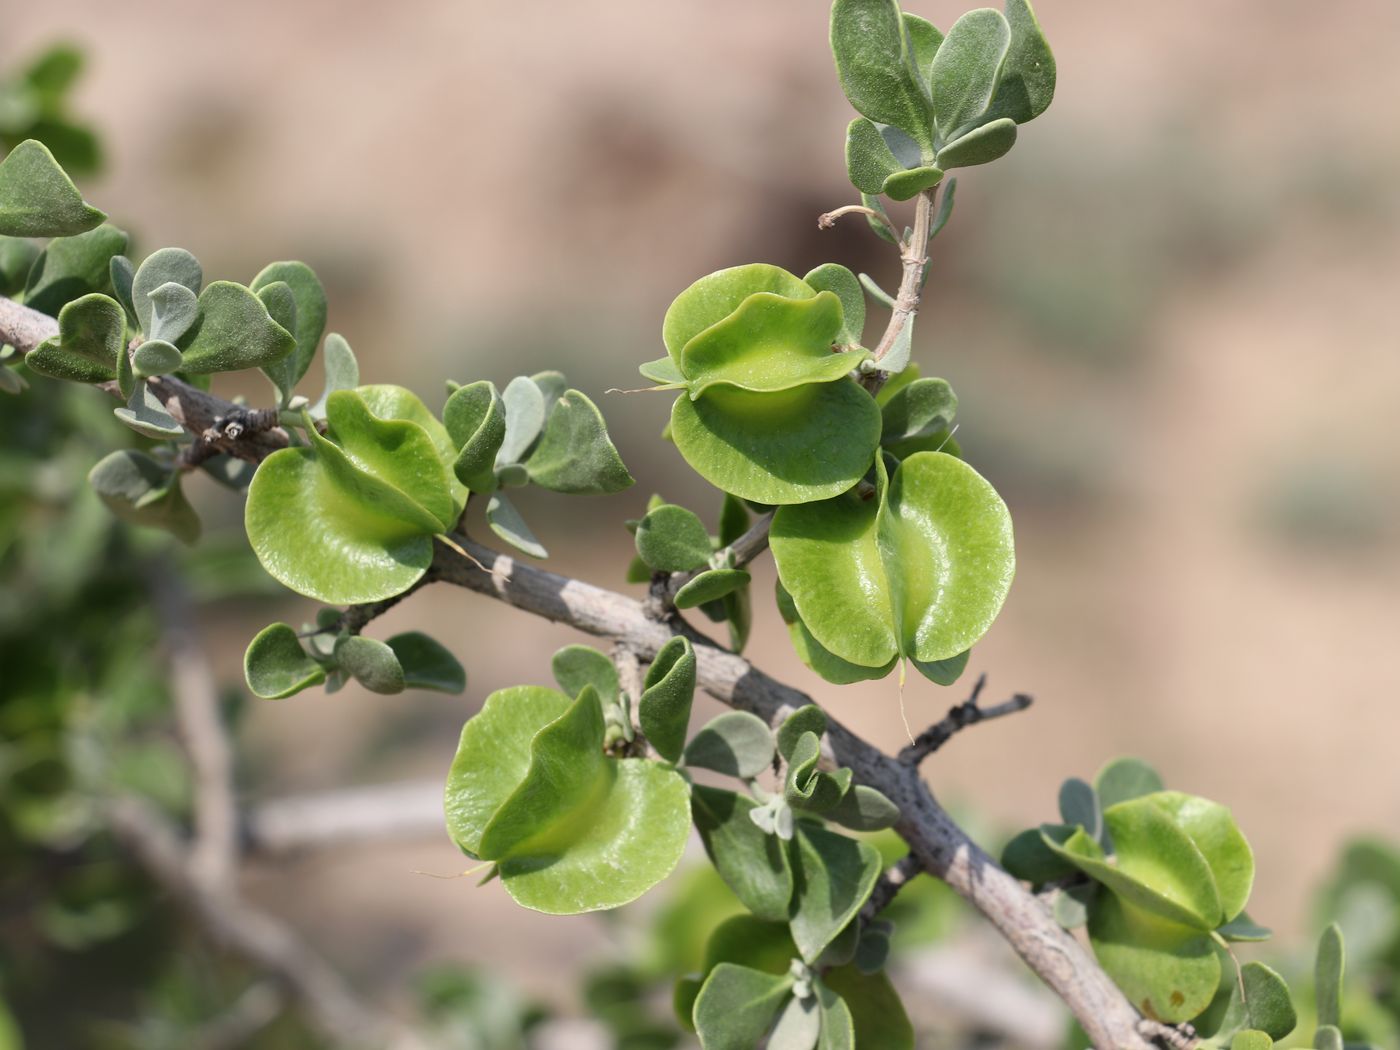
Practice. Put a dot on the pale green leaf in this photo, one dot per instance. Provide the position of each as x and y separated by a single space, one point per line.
475 417
506 522
71 267
91 339
1168 971
737 1006
575 454
841 282
967 68
736 743
370 662
752 862
311 309
668 692
673 539
234 332
833 877
158 268
710 586
276 666
576 667
139 490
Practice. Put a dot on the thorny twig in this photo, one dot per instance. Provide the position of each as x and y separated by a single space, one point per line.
958 718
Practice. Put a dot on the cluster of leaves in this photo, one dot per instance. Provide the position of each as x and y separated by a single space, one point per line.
1161 879
34 105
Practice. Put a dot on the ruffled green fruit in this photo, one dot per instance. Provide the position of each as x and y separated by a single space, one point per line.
917 569
769 412
351 518
570 828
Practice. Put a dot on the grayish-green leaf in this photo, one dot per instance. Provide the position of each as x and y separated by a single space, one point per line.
672 539
342 371
427 663
1124 779
506 522
736 743
162 267
475 417
1028 75
876 63
525 413
310 299
234 332
834 278
576 667
1079 804
71 267
967 68
833 878
38 199
736 1006
798 1026
90 342
276 666
1328 974
751 861
371 662
575 454
919 409
981 145
864 809
147 416
669 690
710 586
156 357
139 490
174 310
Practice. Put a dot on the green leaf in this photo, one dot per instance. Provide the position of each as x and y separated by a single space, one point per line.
427 663
1243 928
525 416
710 586
833 876
91 338
1028 857
17 258
234 332
809 718
123 275
717 295
808 443
919 409
864 809
1079 804
736 743
673 539
669 690
924 41
816 656
768 344
1216 835
156 357
390 402
506 522
71 267
139 490
351 520
1259 1000
1028 74
1168 971
981 145
147 416
1124 779
1251 1040
877 1014
575 454
906 185
753 863
276 666
1158 868
737 1006
881 229
342 371
869 160
37 199
1329 1037
159 268
1328 973
475 417
310 299
919 572
663 370
576 667
834 278
579 831
371 662
875 60
944 672
806 786
966 70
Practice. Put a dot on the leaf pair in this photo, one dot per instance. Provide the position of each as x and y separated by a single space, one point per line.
351 517
569 828
537 432
751 988
769 412
917 569
276 665
931 102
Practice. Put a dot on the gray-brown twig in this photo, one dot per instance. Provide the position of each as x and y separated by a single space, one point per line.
958 718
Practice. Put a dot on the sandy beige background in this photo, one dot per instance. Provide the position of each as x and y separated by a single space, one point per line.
1169 313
